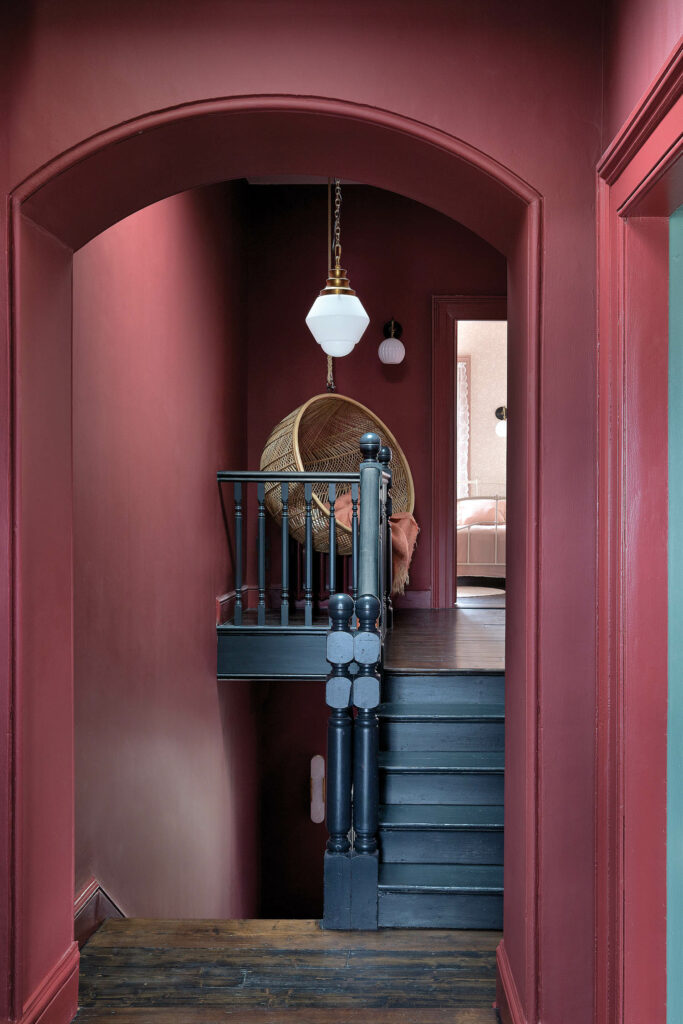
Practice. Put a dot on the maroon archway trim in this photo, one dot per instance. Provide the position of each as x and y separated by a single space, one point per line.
54 196
639 177
319 105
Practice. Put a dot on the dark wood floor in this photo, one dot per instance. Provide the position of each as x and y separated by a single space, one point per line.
271 972
455 639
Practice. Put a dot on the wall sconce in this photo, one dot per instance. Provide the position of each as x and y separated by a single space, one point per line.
392 349
502 424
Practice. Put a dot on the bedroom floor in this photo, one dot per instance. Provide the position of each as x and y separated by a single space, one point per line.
432 640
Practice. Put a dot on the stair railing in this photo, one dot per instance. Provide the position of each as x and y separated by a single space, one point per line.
354 682
255 568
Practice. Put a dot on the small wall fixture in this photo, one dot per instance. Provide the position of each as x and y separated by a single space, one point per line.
392 349
502 424
337 319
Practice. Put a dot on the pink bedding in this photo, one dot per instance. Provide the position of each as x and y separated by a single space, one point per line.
481 550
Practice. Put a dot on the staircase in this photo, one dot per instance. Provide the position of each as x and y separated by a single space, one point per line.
441 768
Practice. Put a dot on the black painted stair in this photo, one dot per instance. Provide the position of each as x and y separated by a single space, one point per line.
441 791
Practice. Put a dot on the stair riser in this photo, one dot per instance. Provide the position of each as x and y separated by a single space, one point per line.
431 846
444 689
439 735
440 910
438 788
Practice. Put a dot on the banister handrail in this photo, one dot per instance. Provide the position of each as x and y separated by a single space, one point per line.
256 476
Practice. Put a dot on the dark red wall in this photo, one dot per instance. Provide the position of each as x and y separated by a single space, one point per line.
398 254
166 758
519 82
639 36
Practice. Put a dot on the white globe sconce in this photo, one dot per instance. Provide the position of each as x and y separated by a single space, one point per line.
392 350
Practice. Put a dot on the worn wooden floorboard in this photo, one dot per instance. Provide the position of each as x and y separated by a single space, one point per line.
277 934
269 972
320 1015
448 639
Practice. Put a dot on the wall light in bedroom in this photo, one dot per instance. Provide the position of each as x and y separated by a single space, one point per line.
392 349
337 319
502 424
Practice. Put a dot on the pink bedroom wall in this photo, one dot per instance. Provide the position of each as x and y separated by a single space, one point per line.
639 36
166 758
398 254
521 83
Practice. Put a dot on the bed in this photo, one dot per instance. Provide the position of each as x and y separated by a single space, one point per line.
481 536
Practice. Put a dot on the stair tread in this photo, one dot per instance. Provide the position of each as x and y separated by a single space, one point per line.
455 712
441 816
442 760
446 878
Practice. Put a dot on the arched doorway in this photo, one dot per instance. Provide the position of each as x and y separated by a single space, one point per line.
58 210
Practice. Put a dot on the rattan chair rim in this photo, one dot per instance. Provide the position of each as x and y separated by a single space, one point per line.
387 438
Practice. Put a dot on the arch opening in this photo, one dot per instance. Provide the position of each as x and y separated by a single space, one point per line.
74 199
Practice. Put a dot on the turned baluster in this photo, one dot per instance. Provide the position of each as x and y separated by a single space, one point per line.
237 497
261 496
354 540
332 579
384 458
284 593
308 582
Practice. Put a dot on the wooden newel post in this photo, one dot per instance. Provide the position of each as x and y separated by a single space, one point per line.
384 459
366 697
370 480
337 885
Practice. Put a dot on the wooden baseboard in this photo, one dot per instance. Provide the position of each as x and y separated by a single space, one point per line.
55 1001
92 907
413 599
509 1005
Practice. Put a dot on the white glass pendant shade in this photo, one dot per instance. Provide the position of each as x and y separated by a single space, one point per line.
337 322
502 428
391 350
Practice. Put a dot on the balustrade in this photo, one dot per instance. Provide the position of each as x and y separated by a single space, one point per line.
353 687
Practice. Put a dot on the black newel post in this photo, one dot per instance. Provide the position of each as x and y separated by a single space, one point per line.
366 697
337 884
384 459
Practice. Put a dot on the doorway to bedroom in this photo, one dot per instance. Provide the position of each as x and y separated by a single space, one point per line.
480 448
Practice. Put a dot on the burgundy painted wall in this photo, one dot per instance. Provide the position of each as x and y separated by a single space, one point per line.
398 254
166 758
639 36
522 84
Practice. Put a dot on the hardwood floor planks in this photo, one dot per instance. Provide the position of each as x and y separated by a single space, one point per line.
208 1015
447 639
269 972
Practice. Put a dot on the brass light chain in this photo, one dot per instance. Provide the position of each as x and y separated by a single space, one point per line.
337 222
331 386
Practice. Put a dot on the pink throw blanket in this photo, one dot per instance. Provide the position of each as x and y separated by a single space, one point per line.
404 531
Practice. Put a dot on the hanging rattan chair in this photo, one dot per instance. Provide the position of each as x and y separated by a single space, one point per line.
322 435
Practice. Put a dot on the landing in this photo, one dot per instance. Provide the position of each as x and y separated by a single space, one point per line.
268 972
448 639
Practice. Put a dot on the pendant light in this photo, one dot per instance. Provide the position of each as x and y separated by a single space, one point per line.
337 319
